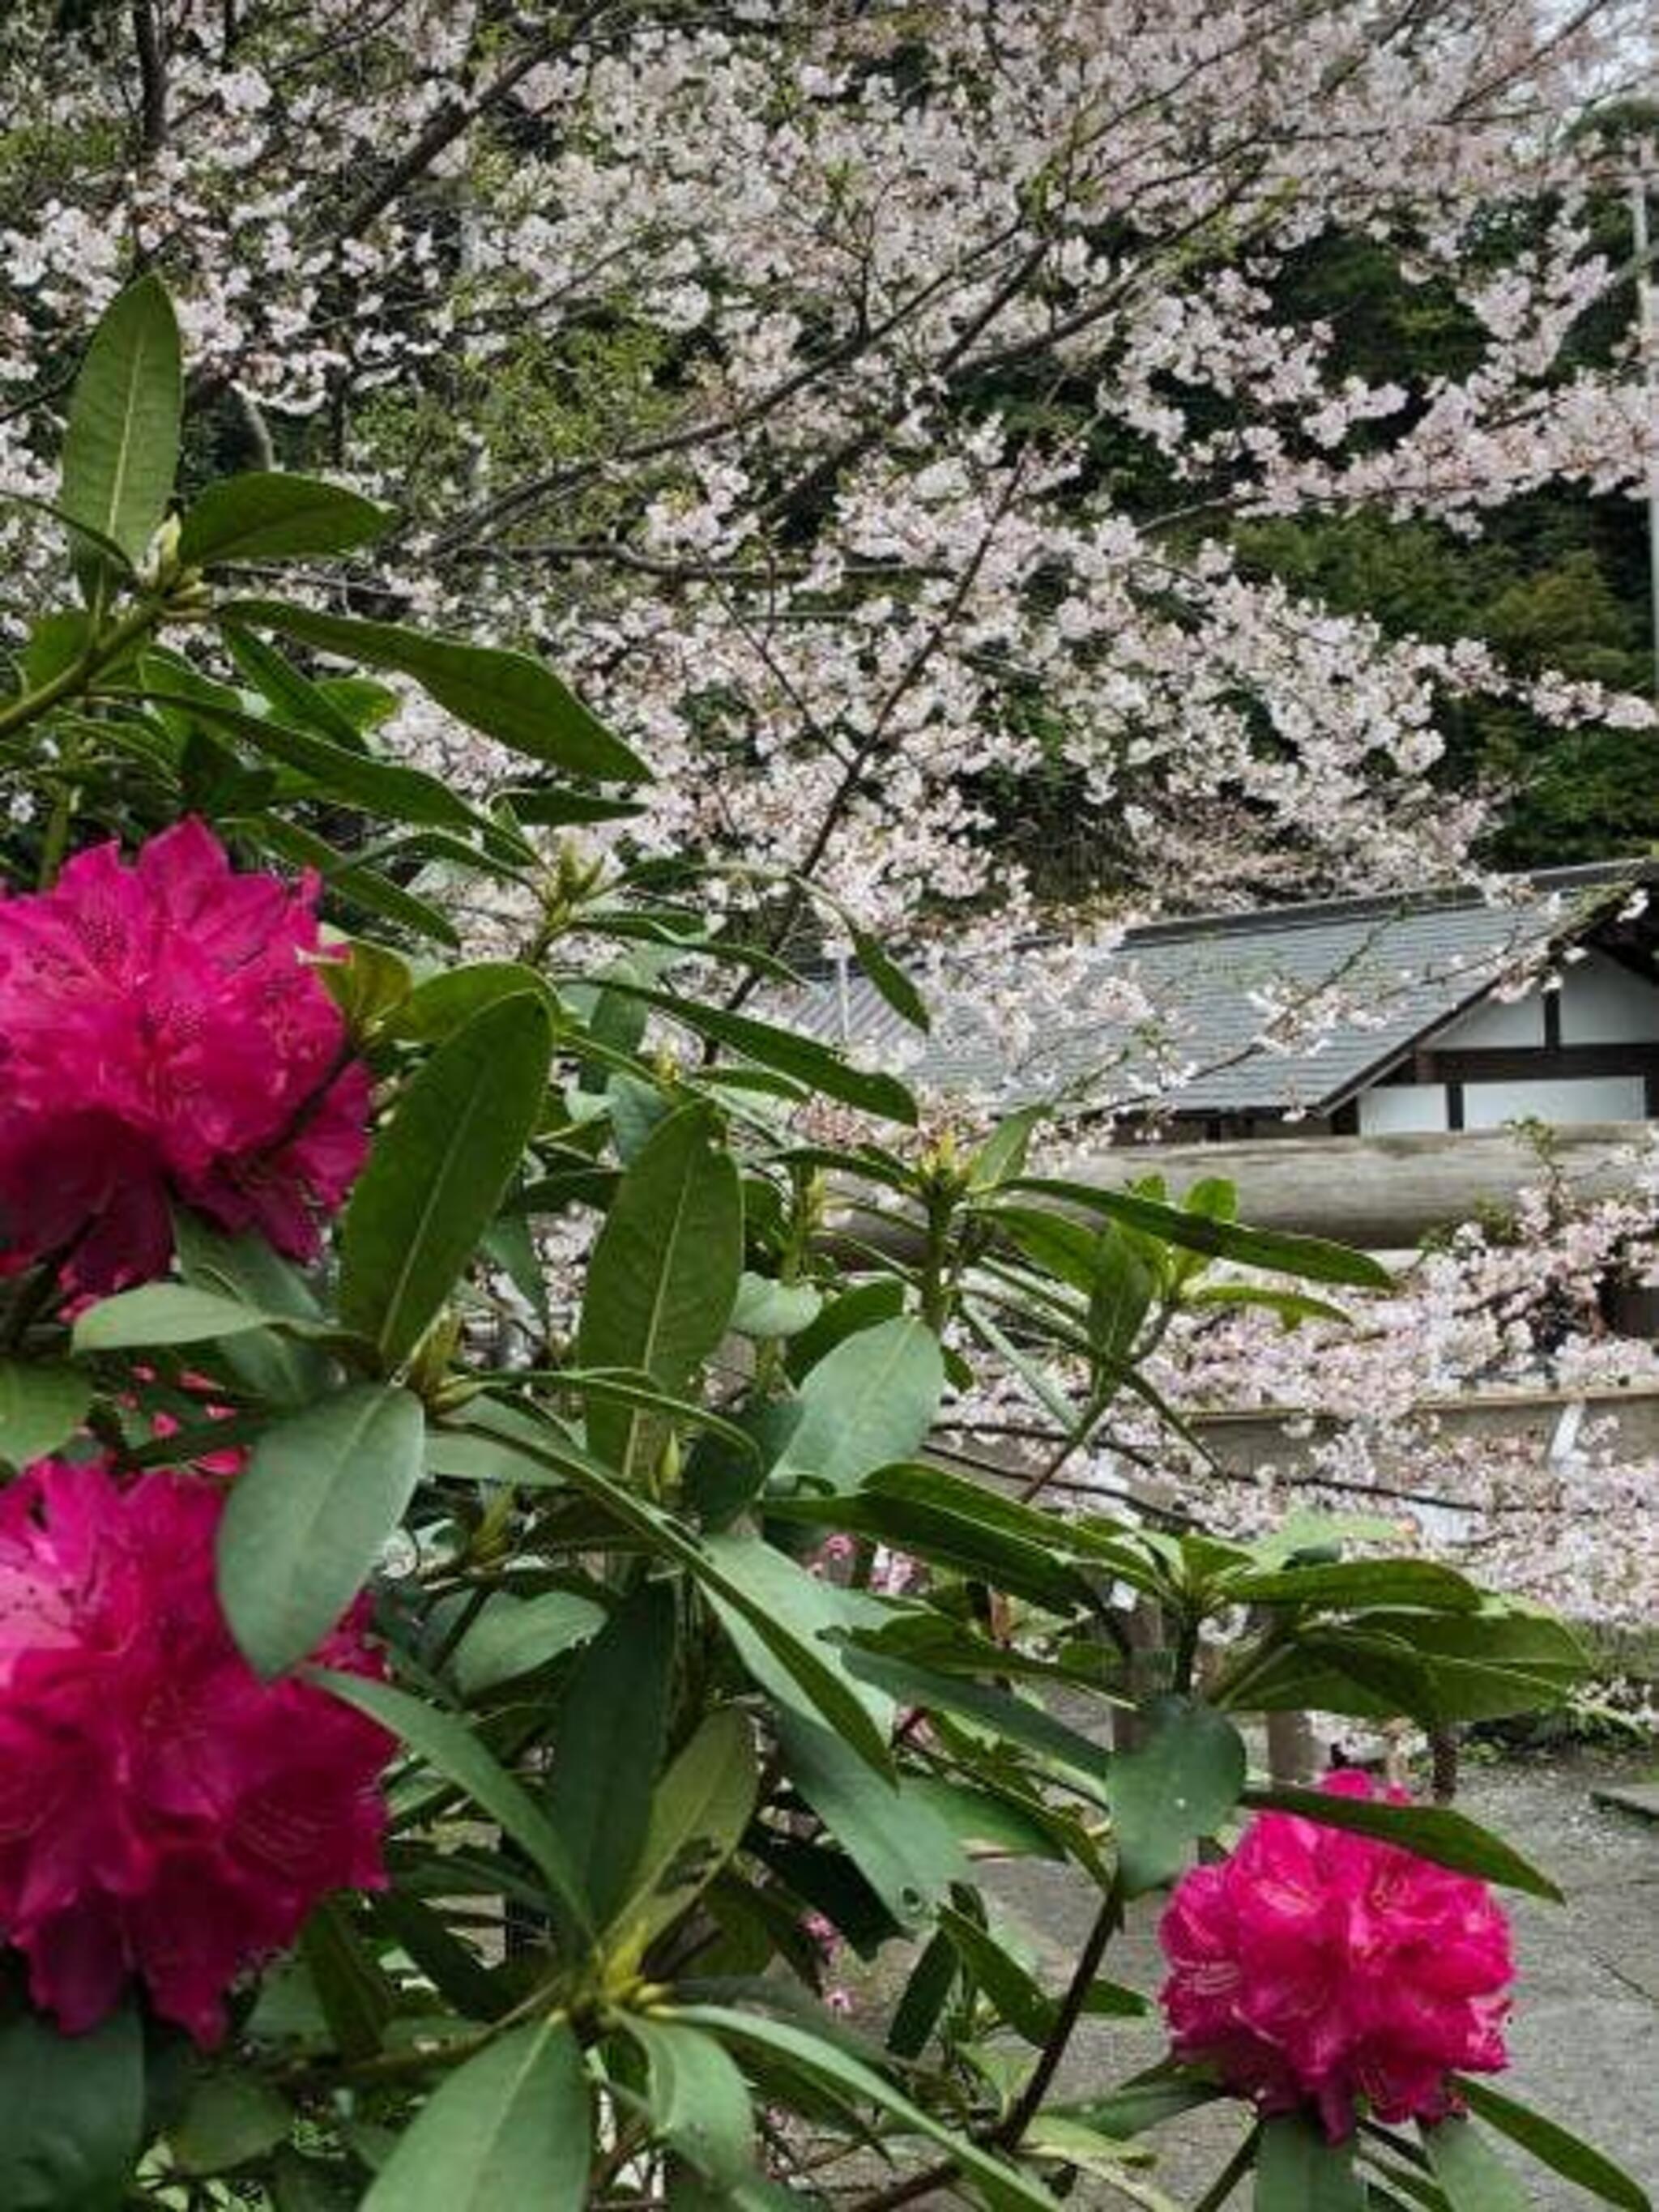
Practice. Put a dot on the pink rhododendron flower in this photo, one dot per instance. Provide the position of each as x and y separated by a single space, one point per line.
164 1814
1318 1967
162 1033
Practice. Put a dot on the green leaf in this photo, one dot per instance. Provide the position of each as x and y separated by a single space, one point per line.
279 1366
781 1619
1016 1720
1347 1584
1297 2171
766 1308
164 1313
439 1005
437 1174
698 1814
1026 2007
121 447
802 1057
839 2072
450 1748
513 2126
351 778
663 1275
891 980
1145 2103
355 1995
514 1636
1003 1153
1472 2176
952 1524
230 2120
264 516
870 1401
74 2109
846 1316
306 1522
698 2100
507 696
362 887
608 1743
42 1404
1313 1259
1291 1307
1552 2146
299 703
899 1843
1179 1785
1433 1831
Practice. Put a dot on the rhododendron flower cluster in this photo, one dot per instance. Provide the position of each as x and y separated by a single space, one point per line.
163 1033
164 1814
1316 1966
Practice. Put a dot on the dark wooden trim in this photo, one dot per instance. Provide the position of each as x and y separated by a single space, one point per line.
1527 1063
1454 1106
1552 1021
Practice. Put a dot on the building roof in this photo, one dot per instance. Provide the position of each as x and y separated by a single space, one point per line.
1391 972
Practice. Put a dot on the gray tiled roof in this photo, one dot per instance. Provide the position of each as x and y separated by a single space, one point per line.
1406 965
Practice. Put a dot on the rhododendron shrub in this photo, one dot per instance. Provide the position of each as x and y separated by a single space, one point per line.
167 1815
1317 1967
483 1629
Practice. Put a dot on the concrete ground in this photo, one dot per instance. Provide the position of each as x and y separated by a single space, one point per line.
1584 2037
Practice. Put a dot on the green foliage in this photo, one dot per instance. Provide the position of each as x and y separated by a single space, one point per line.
640 1722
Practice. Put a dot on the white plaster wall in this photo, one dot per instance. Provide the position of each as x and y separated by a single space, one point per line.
1402 1108
1493 1023
1602 1003
1584 1098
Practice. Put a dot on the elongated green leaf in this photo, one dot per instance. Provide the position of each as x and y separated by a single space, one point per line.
310 1517
698 2100
353 1989
844 1316
1022 2002
514 1636
365 888
609 1743
42 1403
891 980
1015 1719
698 1814
1178 1785
74 2109
121 447
507 696
384 788
301 704
449 1747
280 1365
1553 2146
165 1313
438 1006
513 2126
437 1175
663 1276
1351 1583
1144 2103
1312 1259
870 1401
898 1843
837 2070
802 1057
264 516
1297 2171
1474 2177
1433 1831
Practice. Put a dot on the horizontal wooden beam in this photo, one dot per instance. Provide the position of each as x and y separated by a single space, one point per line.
1382 1192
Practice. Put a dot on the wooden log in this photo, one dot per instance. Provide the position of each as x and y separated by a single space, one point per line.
1381 1193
